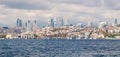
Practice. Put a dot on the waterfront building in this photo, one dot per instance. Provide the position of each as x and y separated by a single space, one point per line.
8 36
11 36
27 35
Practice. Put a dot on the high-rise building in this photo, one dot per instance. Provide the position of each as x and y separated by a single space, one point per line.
66 22
28 21
35 21
29 26
89 24
79 24
35 25
26 24
19 22
60 21
51 22
115 21
55 22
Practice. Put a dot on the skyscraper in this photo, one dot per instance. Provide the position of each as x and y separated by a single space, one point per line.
28 21
115 21
66 22
35 25
51 22
35 21
89 24
19 22
26 24
60 21
29 26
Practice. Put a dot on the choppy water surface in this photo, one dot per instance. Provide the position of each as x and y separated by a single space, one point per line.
59 48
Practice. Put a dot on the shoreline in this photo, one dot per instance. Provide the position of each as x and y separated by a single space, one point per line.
59 39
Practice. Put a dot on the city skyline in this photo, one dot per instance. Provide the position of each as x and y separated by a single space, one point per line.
75 10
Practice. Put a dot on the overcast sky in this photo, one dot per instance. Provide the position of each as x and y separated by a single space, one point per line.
74 10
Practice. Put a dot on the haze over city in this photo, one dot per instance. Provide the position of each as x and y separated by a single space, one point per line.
75 10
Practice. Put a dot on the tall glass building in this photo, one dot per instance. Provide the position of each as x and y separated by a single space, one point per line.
19 22
60 21
51 22
115 21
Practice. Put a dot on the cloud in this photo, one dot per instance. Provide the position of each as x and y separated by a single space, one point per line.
28 5
112 4
90 3
108 4
74 10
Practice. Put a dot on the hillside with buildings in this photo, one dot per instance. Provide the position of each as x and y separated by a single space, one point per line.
56 28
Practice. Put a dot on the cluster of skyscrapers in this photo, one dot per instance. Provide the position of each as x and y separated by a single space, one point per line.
59 27
105 23
56 22
29 25
53 22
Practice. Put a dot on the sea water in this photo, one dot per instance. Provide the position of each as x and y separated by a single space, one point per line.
59 48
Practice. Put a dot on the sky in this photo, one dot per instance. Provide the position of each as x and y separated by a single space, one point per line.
73 10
